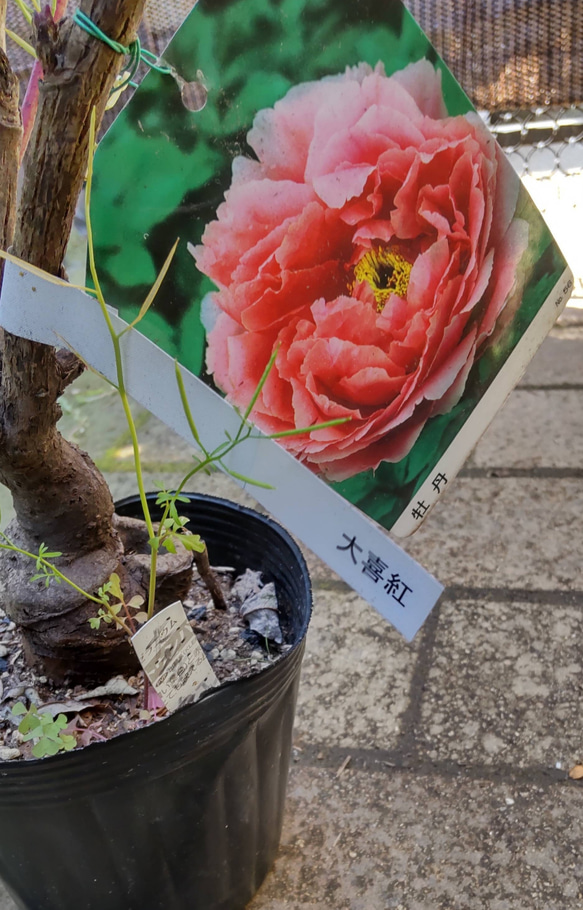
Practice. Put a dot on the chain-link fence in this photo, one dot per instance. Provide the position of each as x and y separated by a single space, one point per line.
545 146
541 141
520 60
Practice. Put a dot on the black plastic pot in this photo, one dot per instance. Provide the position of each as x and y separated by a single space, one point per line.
185 814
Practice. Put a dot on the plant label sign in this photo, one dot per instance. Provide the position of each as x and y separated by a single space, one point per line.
345 216
172 658
343 207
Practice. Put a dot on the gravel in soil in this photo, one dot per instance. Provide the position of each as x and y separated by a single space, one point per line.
232 647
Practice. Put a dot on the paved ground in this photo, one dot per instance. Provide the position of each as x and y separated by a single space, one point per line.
434 775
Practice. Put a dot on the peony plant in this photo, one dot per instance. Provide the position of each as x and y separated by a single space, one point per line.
79 591
61 501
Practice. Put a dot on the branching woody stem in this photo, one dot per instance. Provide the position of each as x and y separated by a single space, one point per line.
60 498
209 578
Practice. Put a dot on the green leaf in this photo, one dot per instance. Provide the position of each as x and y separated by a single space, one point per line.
31 719
103 591
244 479
50 747
260 384
186 407
311 429
28 48
19 708
115 586
40 749
136 601
169 545
29 725
95 622
154 289
115 608
25 11
45 553
68 742
193 543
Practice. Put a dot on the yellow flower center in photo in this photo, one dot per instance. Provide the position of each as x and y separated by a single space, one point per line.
386 272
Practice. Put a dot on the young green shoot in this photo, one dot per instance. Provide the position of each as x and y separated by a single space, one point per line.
21 43
112 610
46 733
48 572
115 339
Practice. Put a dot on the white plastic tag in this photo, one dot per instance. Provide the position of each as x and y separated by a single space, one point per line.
343 536
172 658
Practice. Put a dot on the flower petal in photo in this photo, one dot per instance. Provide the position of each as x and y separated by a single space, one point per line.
374 243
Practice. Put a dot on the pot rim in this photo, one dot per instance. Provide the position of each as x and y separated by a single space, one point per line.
259 686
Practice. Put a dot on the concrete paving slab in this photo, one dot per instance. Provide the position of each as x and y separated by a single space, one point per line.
536 428
559 361
356 676
451 799
488 531
505 532
399 841
504 685
572 316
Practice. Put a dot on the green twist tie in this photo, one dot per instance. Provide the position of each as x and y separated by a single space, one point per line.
136 53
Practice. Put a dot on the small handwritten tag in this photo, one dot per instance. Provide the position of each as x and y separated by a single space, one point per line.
172 658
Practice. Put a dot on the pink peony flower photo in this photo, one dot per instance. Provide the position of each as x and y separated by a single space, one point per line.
374 244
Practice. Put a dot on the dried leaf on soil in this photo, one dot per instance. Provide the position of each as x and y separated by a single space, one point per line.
115 686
